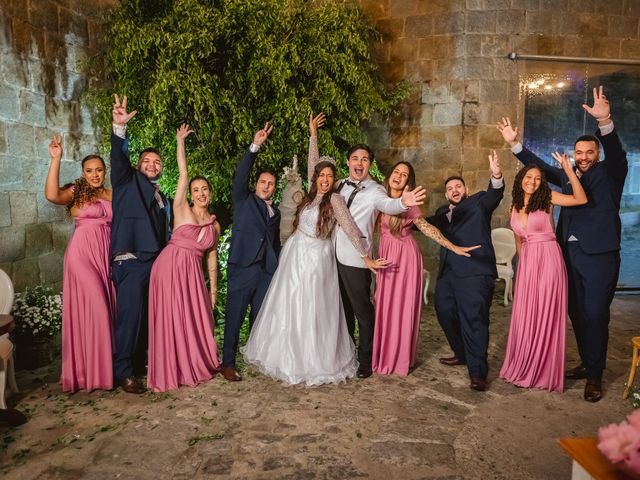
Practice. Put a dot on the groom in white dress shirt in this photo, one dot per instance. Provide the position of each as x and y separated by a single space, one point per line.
365 198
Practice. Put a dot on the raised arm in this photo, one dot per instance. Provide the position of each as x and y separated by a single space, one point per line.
240 186
436 235
350 228
121 168
578 196
615 157
52 190
180 200
314 153
494 194
510 135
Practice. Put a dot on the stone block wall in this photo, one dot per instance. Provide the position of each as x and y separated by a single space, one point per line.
42 45
454 54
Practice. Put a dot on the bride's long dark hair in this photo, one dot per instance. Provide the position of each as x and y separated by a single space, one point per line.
326 221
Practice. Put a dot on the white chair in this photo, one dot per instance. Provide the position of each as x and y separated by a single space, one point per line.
504 244
425 280
7 369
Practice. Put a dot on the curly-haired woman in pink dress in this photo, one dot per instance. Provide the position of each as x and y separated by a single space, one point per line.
182 350
398 296
88 297
535 348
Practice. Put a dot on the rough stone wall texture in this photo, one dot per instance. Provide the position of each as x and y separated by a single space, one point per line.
454 53
42 45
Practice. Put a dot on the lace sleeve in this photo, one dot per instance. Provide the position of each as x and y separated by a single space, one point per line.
314 156
346 222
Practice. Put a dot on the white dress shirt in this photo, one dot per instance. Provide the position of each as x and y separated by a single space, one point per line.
364 209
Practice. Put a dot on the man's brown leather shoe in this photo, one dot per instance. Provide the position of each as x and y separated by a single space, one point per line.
593 391
577 373
451 361
230 374
132 385
478 383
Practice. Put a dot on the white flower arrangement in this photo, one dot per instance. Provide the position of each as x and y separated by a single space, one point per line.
38 312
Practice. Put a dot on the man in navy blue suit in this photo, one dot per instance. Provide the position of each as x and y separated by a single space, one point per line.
465 284
139 230
589 236
255 246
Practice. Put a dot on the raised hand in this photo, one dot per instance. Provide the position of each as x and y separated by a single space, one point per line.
377 264
413 197
601 109
494 165
55 147
119 112
563 161
183 132
508 131
261 135
464 251
315 123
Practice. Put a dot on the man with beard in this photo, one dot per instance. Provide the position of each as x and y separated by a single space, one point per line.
465 284
139 230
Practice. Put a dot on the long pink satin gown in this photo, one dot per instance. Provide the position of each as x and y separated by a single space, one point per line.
88 302
535 348
398 299
182 350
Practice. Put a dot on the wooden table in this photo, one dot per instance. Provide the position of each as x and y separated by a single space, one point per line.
588 461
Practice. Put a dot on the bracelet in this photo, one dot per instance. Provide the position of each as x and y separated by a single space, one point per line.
604 118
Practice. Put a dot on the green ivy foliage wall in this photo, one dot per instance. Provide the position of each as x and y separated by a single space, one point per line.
228 66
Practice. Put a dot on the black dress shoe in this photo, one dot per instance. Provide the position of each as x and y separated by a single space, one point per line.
593 391
132 385
230 374
577 373
451 361
364 372
478 383
12 417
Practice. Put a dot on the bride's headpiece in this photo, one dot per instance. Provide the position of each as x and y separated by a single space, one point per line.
326 158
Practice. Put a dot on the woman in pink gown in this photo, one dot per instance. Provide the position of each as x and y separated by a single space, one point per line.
398 297
182 349
534 357
88 297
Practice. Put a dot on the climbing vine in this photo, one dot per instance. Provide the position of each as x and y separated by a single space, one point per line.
228 66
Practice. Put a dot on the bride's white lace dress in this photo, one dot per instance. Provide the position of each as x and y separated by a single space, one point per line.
300 335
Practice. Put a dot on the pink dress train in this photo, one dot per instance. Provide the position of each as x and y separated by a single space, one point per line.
88 302
534 356
398 299
182 350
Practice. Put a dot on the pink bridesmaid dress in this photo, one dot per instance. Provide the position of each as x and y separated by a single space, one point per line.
398 299
182 350
535 348
88 302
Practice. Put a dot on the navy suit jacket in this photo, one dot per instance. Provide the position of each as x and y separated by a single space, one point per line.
470 225
596 224
254 232
136 226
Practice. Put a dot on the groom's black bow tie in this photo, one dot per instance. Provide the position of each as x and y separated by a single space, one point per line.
352 184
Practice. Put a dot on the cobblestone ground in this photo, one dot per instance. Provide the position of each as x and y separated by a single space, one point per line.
429 425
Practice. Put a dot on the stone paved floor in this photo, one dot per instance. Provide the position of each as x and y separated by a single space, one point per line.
429 425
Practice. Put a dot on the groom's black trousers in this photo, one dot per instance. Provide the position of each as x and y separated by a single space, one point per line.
355 291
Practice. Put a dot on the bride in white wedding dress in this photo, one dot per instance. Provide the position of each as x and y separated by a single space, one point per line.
300 335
